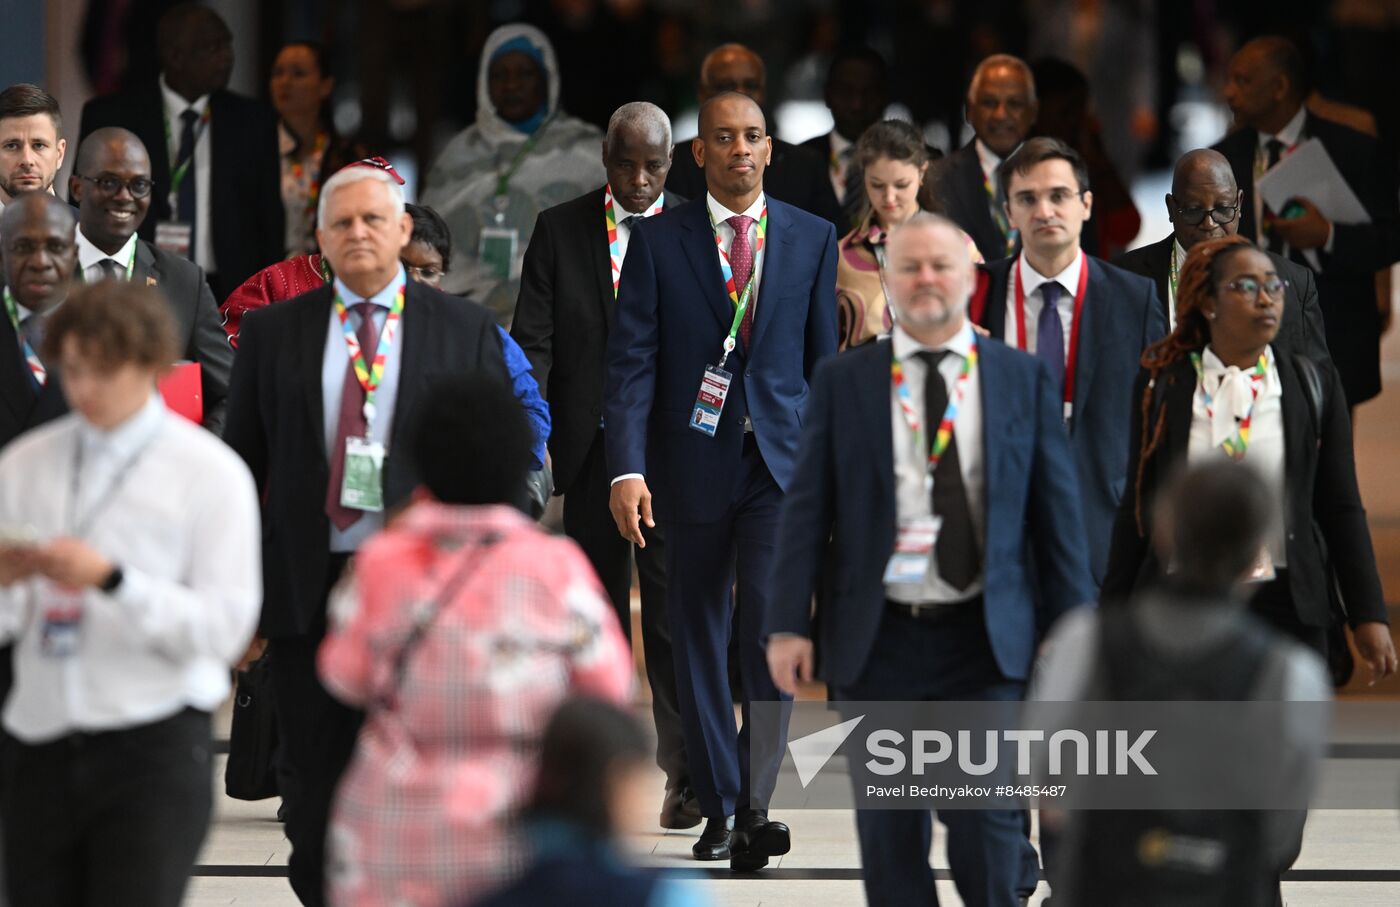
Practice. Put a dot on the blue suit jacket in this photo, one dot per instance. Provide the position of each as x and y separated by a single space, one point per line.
1121 318
839 519
673 314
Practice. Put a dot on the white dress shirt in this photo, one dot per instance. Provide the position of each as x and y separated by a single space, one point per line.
1229 388
178 512
988 159
333 366
912 499
175 105
90 257
624 231
1032 281
1290 135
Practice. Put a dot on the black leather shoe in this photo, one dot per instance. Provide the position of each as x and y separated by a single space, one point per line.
714 840
680 809
756 839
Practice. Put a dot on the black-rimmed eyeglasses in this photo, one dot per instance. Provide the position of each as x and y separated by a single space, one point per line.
138 186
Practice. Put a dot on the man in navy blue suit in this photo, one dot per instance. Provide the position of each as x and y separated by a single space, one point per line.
961 618
1104 317
725 306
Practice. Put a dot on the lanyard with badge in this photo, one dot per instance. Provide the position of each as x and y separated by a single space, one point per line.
498 244
714 386
31 358
175 236
917 537
1072 359
362 486
998 215
614 244
61 606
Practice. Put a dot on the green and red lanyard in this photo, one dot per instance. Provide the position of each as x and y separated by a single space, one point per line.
998 214
31 358
370 375
944 435
178 172
1072 359
741 300
614 246
313 188
1235 447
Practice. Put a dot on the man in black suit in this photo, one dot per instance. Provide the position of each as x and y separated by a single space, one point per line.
561 322
111 183
1001 107
1266 89
327 450
795 175
218 195
857 93
1204 204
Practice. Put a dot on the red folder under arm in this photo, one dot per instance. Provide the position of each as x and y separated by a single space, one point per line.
183 391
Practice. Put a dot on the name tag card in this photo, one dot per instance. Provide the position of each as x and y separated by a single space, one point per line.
62 609
913 551
174 237
362 487
496 250
709 402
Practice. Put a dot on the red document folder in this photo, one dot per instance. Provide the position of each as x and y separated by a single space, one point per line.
183 391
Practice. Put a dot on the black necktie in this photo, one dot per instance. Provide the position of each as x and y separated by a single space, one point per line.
630 221
111 270
1274 150
184 210
957 548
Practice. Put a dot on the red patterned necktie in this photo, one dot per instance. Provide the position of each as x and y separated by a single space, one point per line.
741 263
351 422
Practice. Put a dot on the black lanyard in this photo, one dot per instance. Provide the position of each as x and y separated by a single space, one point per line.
78 527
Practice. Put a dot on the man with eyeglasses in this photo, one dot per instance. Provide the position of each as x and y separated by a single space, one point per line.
1087 320
1205 203
111 184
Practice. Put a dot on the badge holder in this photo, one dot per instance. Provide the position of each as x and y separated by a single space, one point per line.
913 551
714 390
362 485
62 613
496 250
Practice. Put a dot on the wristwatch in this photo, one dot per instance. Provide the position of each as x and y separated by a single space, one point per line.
112 582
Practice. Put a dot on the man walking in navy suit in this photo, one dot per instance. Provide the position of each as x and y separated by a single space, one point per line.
958 613
725 306
1087 320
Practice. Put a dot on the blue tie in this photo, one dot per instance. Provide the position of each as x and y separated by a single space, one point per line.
1050 334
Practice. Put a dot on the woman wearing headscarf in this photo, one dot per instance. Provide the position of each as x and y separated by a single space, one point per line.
521 156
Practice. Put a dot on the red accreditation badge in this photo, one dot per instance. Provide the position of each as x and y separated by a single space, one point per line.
913 551
61 609
709 402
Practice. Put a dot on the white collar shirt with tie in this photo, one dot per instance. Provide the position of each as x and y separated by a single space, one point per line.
624 228
90 258
721 216
1032 281
175 105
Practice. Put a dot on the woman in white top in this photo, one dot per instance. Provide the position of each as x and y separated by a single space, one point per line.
1218 386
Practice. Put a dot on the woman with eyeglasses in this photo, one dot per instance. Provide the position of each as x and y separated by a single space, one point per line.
1215 387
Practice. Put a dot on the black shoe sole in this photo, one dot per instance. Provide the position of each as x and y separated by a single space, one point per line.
680 821
751 855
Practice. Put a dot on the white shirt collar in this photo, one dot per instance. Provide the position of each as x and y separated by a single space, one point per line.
622 213
89 255
384 298
906 346
128 438
286 142
722 214
987 158
1290 133
175 103
839 143
1068 279
1215 369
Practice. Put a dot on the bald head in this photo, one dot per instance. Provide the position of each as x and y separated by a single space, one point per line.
1205 200
112 185
105 141
1001 102
39 249
733 67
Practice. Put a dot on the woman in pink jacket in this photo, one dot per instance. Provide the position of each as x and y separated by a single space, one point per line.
461 630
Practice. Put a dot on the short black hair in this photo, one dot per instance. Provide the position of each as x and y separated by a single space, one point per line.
471 442
430 228
859 54
1037 151
26 100
585 742
1218 515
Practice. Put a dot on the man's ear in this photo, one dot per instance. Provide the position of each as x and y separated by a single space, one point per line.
697 151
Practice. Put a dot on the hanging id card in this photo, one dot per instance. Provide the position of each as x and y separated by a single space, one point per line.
913 551
175 237
709 403
362 486
496 250
61 610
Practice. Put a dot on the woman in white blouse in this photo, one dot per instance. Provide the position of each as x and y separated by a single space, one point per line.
1219 386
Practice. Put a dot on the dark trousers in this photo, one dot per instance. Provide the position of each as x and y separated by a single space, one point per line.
317 735
703 562
924 661
589 522
115 817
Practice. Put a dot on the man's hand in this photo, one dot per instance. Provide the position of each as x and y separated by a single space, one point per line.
789 660
629 499
1377 649
70 562
1308 230
18 562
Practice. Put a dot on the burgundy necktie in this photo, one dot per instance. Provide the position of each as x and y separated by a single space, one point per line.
351 422
741 263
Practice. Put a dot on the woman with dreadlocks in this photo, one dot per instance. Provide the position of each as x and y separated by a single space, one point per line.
1216 387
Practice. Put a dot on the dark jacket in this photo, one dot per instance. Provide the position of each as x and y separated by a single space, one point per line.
960 185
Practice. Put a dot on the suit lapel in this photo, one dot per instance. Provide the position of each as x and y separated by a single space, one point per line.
15 388
1159 268
145 272
972 186
1298 430
418 326
776 249
994 306
1092 323
1176 389
1000 421
1240 152
704 262
311 346
595 226
873 390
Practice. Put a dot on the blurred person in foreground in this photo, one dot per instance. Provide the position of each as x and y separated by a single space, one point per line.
131 581
892 161
1190 636
462 628
592 787
1216 388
